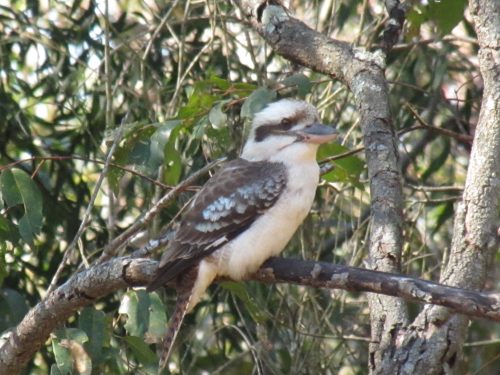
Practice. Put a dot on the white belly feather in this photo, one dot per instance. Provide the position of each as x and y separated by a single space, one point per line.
267 236
270 233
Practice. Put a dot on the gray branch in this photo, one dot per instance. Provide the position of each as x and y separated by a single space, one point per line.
433 343
363 72
101 280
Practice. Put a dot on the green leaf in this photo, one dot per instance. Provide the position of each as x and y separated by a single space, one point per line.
440 71
415 18
344 11
446 13
158 141
242 89
241 293
75 334
218 82
256 101
347 169
93 322
141 350
135 304
68 350
302 82
438 161
199 104
8 231
340 174
18 188
134 149
13 307
200 128
54 370
440 214
217 118
157 318
3 263
172 159
222 141
63 358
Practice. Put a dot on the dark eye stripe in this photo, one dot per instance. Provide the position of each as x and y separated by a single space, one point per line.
285 124
264 131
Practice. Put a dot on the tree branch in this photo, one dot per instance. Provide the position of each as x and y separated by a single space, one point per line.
448 133
106 278
433 343
86 217
363 73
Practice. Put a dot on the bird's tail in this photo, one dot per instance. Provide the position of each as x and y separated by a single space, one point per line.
181 308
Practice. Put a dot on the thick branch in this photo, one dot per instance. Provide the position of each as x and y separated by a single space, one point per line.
120 273
300 44
433 343
334 276
363 73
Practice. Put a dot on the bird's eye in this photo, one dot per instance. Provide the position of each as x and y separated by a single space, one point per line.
286 123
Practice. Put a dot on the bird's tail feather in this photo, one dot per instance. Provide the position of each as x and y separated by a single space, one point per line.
181 308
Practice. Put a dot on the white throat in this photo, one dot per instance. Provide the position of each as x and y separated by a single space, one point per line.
283 149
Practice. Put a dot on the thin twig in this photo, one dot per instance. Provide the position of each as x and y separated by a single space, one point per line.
448 133
359 149
424 125
341 156
109 114
440 200
158 29
117 243
448 38
97 161
86 216
181 76
436 188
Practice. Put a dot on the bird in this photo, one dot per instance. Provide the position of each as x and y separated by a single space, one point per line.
247 211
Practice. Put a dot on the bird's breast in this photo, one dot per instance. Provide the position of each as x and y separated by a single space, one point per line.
270 233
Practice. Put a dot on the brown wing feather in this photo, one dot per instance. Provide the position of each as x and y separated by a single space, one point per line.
226 206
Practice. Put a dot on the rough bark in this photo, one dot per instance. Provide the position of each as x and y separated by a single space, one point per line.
363 73
432 344
82 289
87 287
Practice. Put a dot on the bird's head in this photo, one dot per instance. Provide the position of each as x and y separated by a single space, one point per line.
286 129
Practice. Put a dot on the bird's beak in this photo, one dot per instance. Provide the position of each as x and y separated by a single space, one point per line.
317 133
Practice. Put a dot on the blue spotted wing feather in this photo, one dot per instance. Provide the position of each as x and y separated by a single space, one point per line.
226 206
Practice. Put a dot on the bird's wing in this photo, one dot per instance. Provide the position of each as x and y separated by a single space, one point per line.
226 206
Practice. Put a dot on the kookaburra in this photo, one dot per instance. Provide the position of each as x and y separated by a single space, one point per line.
248 211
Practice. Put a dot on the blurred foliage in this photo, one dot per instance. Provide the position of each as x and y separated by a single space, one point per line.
190 74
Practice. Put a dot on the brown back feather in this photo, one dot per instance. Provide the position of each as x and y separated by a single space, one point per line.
251 188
